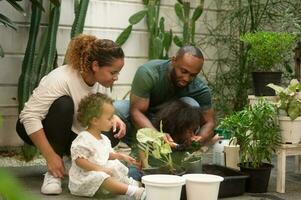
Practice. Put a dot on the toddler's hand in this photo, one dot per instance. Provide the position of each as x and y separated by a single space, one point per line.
108 171
128 159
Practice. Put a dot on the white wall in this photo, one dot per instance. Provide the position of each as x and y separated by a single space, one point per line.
105 19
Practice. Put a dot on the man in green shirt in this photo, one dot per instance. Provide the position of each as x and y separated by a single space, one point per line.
161 81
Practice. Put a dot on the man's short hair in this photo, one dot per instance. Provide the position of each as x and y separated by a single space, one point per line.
192 50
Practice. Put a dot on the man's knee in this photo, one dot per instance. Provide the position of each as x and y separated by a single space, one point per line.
122 108
190 101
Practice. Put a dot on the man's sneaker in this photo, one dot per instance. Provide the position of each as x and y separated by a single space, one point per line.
51 185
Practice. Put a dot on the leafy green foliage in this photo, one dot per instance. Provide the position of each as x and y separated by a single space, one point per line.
137 17
268 48
153 144
289 98
125 34
10 188
257 132
229 77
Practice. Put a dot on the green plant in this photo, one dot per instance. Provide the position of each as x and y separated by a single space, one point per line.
182 9
268 48
151 142
8 22
35 66
257 132
229 77
10 188
159 39
289 98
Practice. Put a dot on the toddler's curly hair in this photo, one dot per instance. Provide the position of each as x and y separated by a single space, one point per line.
91 106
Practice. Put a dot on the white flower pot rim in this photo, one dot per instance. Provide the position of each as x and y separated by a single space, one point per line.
163 180
204 178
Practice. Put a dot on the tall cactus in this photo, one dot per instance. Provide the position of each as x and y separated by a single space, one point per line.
34 67
159 39
28 60
80 9
182 9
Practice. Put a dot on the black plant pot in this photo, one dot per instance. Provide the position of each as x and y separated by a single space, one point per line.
261 79
259 178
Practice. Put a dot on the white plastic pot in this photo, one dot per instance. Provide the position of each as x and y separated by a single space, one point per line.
290 129
202 186
162 186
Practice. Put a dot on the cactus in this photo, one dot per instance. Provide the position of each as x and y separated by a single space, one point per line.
159 39
24 79
182 10
80 9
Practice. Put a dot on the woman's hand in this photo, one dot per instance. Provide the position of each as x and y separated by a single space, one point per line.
120 125
55 165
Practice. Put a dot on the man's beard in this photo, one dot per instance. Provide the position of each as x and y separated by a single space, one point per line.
173 78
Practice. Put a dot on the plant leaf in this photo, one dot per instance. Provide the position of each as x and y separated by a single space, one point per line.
197 13
7 22
38 4
137 17
178 41
17 7
179 11
124 35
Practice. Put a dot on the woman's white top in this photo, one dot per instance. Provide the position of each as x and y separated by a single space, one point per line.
86 183
63 80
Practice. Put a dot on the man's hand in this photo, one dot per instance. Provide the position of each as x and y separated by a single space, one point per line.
55 165
120 125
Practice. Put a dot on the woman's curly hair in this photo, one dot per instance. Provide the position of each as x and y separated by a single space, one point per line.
84 49
178 118
91 106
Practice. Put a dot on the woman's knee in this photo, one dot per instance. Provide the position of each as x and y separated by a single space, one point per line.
63 105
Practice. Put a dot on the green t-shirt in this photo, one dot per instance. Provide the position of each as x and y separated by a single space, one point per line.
151 81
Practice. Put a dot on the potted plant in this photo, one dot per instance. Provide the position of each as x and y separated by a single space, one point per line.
266 50
257 131
152 145
289 105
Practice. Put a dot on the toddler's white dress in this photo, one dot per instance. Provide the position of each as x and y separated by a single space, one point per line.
86 183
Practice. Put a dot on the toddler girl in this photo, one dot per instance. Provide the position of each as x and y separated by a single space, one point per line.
95 165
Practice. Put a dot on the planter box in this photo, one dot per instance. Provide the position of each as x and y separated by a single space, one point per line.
234 181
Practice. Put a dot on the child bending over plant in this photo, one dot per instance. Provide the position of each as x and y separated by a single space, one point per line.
95 165
181 121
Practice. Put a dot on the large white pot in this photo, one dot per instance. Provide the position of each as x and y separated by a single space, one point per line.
290 129
162 186
202 186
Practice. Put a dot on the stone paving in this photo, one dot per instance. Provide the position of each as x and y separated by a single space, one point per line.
31 177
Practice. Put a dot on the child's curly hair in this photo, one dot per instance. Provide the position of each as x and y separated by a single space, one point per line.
177 118
91 106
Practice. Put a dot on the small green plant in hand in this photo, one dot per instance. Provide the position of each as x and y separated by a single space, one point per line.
152 143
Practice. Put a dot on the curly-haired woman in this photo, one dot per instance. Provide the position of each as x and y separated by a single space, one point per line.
48 120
